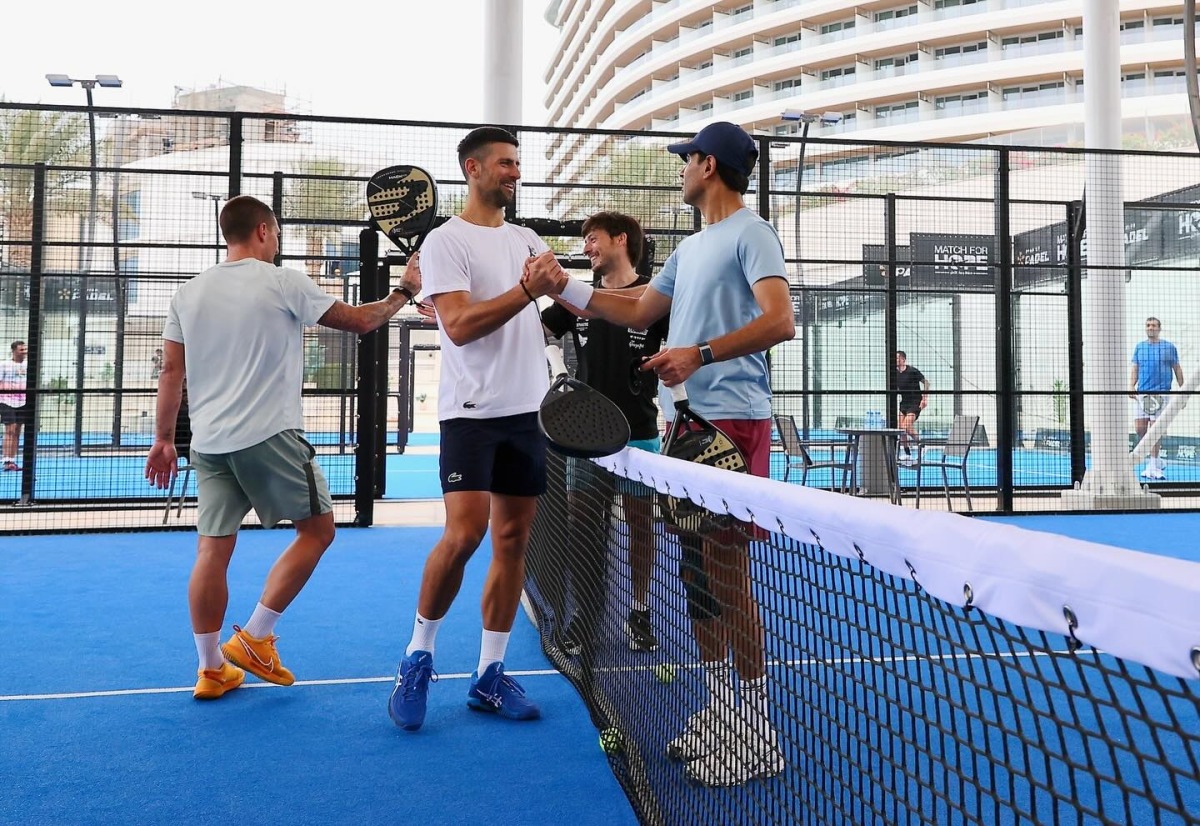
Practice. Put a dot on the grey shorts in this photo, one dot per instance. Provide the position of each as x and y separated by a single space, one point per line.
279 478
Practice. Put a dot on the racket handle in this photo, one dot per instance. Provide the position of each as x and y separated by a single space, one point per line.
679 395
554 356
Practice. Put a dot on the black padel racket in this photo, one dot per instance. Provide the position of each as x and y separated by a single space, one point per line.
579 420
402 201
694 438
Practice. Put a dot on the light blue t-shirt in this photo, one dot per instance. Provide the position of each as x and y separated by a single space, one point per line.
709 279
1155 363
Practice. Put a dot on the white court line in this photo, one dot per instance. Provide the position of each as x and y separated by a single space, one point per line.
806 663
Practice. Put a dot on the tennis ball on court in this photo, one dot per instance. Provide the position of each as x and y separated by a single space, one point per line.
665 672
611 741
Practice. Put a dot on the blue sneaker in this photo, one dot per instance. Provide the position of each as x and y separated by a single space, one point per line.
406 706
497 692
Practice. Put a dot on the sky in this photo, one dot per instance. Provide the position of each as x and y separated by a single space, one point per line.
412 60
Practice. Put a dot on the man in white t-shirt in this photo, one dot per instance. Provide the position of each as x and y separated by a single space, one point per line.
14 412
493 457
235 332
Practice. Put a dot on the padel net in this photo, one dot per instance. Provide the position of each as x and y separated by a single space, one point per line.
920 667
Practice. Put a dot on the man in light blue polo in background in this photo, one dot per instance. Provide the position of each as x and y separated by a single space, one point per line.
1154 362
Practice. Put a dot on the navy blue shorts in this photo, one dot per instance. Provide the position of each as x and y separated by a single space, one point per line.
506 455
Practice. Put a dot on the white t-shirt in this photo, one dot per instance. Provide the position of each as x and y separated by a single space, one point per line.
12 377
241 325
503 373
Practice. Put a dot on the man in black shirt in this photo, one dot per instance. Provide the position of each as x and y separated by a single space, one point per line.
913 388
613 242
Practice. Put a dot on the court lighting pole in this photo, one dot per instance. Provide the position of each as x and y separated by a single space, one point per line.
808 119
88 84
216 202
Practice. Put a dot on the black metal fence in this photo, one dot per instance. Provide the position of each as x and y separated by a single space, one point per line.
971 259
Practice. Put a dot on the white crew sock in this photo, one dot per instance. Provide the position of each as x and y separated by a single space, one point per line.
424 635
262 622
492 648
718 679
208 650
755 703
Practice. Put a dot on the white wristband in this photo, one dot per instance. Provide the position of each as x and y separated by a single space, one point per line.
577 294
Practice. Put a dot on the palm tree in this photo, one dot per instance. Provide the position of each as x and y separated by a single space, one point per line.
323 189
28 137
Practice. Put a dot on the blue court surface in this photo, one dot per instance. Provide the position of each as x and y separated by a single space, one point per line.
99 725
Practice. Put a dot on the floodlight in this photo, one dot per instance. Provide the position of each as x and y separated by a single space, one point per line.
799 115
109 81
60 80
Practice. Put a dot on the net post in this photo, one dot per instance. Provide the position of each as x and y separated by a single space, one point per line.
368 387
1006 418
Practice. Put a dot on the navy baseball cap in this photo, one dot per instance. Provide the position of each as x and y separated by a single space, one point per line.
727 142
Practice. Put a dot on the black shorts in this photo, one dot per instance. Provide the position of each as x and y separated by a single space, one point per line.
914 408
14 415
506 455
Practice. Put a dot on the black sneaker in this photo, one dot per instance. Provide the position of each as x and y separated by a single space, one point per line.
568 640
641 635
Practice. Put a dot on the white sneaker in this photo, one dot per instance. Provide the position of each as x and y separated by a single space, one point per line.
741 756
699 736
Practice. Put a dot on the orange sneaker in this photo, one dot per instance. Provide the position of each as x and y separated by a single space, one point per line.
213 684
259 657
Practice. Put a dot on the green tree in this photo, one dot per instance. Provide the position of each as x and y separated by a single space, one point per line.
323 189
28 137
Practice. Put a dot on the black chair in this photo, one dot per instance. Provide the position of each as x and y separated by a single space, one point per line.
799 453
954 451
183 446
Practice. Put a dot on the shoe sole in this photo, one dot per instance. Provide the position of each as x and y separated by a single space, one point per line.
762 771
235 657
488 708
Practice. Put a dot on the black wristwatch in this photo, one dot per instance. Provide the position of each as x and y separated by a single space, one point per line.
706 353
407 295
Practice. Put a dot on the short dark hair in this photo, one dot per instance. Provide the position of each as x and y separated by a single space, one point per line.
477 139
1155 320
739 182
902 354
16 344
616 223
241 215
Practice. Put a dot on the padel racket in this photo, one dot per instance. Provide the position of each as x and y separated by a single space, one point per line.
1152 404
402 201
579 420
694 438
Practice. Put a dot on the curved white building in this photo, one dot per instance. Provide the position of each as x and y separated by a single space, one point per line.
907 70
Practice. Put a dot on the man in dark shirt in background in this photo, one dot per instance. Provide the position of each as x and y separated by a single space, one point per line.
607 354
913 388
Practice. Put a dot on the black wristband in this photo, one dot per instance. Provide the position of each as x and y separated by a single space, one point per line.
404 292
526 289
706 353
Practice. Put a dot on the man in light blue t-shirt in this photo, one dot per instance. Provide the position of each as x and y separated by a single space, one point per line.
1154 362
726 291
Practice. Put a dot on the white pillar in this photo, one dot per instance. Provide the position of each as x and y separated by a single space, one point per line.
502 58
1110 482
